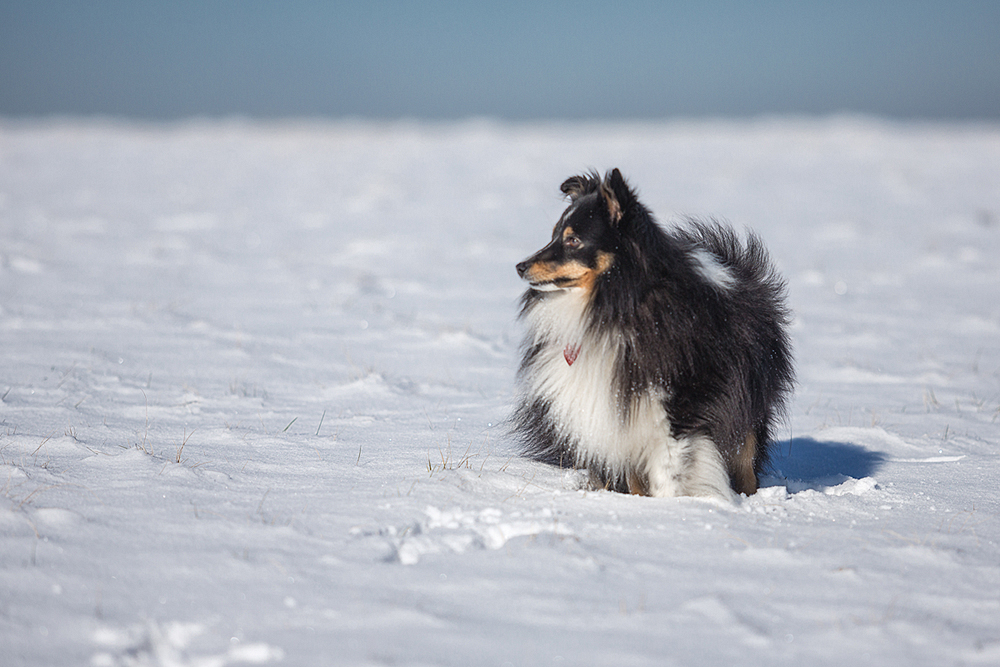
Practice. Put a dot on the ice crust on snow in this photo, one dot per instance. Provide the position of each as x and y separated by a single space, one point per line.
255 378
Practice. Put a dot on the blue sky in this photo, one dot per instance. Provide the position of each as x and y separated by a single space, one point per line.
515 60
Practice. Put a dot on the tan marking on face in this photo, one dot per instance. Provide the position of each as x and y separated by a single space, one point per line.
567 275
567 232
604 262
570 274
744 477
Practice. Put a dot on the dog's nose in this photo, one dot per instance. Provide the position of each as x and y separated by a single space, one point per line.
521 268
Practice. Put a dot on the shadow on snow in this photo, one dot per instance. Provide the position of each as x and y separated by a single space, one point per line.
818 463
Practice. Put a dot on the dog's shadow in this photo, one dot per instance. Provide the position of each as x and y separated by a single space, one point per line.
806 463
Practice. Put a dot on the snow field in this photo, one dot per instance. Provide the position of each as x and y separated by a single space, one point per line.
254 380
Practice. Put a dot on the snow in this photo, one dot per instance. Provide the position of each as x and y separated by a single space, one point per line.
255 376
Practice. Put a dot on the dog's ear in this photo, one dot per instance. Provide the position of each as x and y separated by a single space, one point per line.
616 194
576 186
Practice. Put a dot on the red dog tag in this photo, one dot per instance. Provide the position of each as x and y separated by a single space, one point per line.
570 353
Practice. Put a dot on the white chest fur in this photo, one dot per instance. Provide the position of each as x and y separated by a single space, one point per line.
586 406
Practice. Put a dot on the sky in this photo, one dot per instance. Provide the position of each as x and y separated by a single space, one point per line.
518 60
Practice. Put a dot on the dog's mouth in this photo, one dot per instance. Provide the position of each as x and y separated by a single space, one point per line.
543 278
545 287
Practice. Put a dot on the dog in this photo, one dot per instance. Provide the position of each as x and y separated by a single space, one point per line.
658 360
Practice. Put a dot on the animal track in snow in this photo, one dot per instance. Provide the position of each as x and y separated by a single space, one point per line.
457 531
168 645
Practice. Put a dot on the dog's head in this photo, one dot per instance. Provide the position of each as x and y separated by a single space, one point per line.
585 239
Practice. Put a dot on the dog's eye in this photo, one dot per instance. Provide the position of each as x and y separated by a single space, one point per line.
572 242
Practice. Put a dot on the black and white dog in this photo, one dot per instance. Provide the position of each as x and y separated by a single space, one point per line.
658 360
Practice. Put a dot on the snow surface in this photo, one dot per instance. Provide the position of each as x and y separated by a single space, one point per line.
254 379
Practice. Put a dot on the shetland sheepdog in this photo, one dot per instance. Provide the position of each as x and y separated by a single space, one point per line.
658 360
